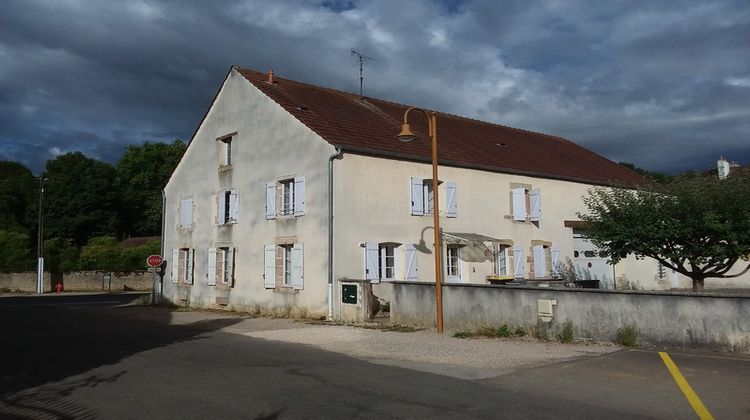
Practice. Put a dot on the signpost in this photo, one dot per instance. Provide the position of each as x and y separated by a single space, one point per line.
154 261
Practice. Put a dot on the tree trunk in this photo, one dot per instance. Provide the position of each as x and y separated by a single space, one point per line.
698 284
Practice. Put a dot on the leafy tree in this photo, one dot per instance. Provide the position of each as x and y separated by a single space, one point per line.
18 196
698 226
16 252
654 176
60 256
81 198
143 171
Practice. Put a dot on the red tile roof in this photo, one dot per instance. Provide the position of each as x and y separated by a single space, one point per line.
370 126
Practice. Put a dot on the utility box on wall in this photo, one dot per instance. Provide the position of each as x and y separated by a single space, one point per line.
353 300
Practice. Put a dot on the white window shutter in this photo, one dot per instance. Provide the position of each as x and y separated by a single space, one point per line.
556 261
270 200
451 203
520 270
371 261
535 205
539 262
175 264
186 212
298 270
211 267
221 202
269 265
299 196
410 262
189 266
230 267
417 197
234 206
519 204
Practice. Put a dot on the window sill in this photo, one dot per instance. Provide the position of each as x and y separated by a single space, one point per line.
185 228
285 289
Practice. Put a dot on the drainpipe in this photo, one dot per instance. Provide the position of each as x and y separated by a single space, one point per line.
163 240
330 231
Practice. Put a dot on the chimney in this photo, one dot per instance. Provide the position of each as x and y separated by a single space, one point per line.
270 80
723 167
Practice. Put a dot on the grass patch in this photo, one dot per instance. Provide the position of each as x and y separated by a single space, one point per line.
488 331
391 327
567 333
627 335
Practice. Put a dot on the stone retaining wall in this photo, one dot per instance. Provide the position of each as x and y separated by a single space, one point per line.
81 281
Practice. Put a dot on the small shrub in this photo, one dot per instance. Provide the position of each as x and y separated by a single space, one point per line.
463 334
520 331
627 335
488 331
567 333
540 331
385 307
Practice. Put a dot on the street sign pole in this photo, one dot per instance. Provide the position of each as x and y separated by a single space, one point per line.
152 262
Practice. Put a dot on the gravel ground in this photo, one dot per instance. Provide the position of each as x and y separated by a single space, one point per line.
422 350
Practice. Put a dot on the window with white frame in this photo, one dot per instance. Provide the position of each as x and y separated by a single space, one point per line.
227 207
225 150
381 260
526 204
422 197
284 266
503 261
452 262
221 266
286 195
545 261
186 213
182 265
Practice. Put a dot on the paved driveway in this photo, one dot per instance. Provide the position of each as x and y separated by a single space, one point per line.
84 360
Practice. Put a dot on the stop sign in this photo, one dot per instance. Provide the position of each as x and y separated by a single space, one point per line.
154 260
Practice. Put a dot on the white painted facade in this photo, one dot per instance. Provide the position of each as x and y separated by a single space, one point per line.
224 200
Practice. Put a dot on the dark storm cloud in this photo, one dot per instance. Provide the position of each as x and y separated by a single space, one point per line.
664 85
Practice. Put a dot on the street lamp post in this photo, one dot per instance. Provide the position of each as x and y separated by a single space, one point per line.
407 135
40 240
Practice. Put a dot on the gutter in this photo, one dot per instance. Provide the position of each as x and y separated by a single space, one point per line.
330 231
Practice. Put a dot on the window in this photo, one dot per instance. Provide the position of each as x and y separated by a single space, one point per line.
227 207
288 195
545 261
221 266
526 204
186 213
284 266
503 260
225 150
423 197
182 265
380 261
452 261
387 267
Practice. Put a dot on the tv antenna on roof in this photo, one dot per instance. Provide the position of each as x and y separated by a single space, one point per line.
362 59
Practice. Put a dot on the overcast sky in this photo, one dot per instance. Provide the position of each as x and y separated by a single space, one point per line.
664 85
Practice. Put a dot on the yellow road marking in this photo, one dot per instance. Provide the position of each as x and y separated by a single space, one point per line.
691 396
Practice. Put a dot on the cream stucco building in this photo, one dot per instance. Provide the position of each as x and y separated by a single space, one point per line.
287 190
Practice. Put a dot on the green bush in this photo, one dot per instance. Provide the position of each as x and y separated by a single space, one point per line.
627 335
16 253
105 253
567 333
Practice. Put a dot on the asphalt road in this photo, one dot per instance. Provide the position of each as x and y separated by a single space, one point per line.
86 359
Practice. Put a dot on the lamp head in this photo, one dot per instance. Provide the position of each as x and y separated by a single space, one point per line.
406 134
